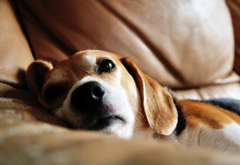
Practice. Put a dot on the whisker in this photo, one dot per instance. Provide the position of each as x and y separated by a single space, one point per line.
138 113
98 44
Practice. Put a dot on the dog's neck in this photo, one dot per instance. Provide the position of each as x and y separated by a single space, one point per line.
181 124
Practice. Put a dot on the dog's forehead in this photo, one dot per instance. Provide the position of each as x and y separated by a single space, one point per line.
87 59
80 65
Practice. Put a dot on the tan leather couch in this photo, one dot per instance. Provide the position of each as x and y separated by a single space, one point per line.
192 46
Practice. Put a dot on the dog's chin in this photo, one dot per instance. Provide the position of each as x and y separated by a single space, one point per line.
105 122
112 125
119 125
118 129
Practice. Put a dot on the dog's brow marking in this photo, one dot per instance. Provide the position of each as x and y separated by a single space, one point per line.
87 60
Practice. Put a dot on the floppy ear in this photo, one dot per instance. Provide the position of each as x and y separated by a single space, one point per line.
158 104
36 74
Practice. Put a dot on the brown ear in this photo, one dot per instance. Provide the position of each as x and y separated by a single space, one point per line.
158 105
36 74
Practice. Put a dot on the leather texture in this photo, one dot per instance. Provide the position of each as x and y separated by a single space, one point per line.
15 54
179 43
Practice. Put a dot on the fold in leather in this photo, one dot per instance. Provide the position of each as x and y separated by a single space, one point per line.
15 53
228 90
234 7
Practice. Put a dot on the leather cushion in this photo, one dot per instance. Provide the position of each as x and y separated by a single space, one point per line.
179 43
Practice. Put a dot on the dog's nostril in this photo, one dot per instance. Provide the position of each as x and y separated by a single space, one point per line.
97 91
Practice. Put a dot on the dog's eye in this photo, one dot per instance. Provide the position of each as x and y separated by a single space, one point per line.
106 66
51 93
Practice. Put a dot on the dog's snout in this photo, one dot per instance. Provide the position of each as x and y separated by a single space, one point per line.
87 96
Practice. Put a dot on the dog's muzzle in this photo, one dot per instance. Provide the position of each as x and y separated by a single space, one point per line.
89 100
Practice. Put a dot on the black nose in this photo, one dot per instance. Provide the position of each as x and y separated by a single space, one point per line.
88 96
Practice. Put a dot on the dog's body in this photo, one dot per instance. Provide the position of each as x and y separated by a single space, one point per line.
102 91
205 125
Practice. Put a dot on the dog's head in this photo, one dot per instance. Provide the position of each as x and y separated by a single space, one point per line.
97 90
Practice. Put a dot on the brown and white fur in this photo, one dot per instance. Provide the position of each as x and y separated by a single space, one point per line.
127 102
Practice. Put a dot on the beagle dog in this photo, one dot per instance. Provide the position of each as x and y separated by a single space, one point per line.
106 92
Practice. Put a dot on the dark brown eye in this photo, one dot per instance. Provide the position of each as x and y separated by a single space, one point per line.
106 66
51 93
